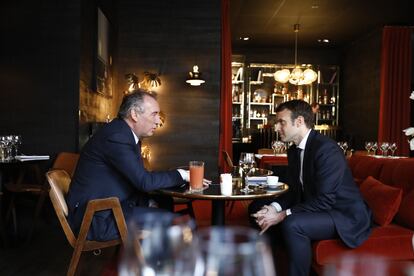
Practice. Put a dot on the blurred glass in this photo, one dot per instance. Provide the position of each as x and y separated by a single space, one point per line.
164 245
393 148
235 251
278 147
368 146
356 265
374 148
384 146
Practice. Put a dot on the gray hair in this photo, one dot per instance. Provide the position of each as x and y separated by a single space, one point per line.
134 100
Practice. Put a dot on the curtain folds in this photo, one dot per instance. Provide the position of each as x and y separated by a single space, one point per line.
395 87
225 143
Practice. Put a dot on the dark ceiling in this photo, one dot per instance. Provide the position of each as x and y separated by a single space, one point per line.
270 22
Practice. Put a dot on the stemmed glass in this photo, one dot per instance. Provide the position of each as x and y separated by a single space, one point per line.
235 250
247 163
374 147
162 244
393 148
368 146
384 148
344 147
278 147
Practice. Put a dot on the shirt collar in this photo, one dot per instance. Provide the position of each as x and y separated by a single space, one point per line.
135 137
302 143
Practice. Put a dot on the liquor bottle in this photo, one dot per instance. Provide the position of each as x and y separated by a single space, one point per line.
325 97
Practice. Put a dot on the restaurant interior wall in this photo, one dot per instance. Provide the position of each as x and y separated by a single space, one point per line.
360 97
168 38
39 74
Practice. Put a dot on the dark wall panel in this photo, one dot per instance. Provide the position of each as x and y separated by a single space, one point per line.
169 37
360 91
39 73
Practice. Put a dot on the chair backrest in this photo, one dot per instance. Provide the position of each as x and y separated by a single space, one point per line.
66 161
227 158
59 181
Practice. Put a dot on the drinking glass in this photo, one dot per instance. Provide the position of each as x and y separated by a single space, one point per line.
162 244
357 265
344 147
384 148
278 147
368 146
247 163
374 147
393 148
235 250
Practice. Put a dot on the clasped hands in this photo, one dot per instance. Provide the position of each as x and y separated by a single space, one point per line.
268 216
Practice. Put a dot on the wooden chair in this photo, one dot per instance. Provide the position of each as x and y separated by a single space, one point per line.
64 160
59 181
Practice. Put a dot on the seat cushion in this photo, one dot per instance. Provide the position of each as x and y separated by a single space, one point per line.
393 242
382 199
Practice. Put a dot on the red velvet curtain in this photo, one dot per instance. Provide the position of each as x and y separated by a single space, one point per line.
225 92
394 115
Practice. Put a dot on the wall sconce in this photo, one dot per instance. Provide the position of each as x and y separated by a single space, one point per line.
132 81
146 152
151 80
194 78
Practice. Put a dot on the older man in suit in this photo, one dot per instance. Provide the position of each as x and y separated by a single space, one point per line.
111 165
323 201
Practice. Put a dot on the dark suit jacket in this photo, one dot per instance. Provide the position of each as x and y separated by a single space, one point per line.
111 165
328 187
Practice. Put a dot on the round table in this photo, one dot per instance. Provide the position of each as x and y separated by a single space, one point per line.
213 193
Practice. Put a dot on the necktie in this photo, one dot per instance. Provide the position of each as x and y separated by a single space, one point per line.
299 154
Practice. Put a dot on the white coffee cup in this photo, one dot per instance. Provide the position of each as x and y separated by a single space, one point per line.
272 181
226 184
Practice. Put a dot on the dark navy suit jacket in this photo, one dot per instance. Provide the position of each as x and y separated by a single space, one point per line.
111 165
328 187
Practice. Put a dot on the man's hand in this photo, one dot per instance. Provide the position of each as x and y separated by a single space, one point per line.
206 182
268 216
185 174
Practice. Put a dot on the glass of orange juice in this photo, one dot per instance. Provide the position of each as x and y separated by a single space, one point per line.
196 175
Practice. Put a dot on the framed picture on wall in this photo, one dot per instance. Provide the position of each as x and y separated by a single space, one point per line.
103 57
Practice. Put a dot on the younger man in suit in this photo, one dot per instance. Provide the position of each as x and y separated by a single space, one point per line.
323 201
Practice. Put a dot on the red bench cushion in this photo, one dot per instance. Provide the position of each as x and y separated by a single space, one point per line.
405 215
383 200
392 242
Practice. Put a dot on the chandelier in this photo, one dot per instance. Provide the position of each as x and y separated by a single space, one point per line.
297 76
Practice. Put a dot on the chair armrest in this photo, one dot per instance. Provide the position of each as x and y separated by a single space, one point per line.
96 205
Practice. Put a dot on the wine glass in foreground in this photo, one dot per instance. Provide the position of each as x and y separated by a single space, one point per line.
247 163
162 244
232 250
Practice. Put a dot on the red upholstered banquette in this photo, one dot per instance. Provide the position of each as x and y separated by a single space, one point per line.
382 181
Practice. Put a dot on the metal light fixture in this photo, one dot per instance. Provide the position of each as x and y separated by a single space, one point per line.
151 80
194 77
297 76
